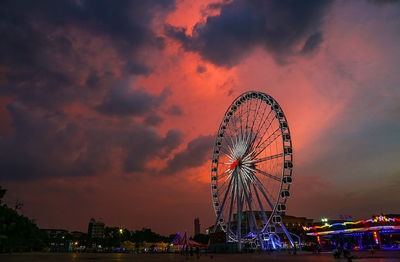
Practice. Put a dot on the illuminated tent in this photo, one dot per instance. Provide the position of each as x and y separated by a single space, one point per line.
180 242
128 245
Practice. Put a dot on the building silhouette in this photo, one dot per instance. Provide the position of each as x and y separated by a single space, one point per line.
95 229
196 226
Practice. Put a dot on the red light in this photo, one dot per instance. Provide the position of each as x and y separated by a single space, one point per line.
233 165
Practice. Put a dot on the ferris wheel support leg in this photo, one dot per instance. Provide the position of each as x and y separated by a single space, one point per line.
261 239
253 221
239 220
287 234
272 240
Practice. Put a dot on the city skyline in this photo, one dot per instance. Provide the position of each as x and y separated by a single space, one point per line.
109 110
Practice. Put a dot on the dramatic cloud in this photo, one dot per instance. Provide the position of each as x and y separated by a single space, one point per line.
175 110
277 26
52 51
153 120
197 152
145 145
55 145
383 2
58 62
312 43
122 100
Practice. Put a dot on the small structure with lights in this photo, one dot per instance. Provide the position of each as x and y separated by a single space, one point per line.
381 231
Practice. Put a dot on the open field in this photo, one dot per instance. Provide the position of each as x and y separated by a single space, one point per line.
303 256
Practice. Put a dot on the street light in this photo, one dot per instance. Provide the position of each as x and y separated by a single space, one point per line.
324 220
121 230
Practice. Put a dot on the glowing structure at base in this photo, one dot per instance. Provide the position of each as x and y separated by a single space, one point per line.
372 228
182 242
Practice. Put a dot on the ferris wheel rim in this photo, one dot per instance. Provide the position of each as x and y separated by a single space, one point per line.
216 155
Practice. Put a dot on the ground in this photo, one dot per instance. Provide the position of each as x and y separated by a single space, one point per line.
302 256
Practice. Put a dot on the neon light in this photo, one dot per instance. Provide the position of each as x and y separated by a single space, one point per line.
376 219
234 164
362 229
381 219
376 238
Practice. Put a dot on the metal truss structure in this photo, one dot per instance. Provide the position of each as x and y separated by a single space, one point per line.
251 171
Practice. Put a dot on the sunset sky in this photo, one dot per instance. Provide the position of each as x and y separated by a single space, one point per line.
108 109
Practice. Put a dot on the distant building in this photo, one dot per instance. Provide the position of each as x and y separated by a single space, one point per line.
58 240
95 229
54 233
76 235
196 226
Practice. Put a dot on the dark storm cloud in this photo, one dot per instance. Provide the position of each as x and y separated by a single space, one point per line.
196 153
144 145
122 101
56 145
201 69
47 144
175 110
153 120
383 2
59 53
312 43
44 57
277 26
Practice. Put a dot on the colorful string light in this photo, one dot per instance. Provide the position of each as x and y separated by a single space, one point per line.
376 219
362 229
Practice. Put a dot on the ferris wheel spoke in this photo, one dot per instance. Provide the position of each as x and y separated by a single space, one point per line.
247 114
260 187
249 204
258 160
240 109
225 175
228 136
261 125
264 216
266 129
224 150
235 122
223 204
231 206
229 127
268 142
266 174
222 186
258 182
248 103
239 212
261 121
259 102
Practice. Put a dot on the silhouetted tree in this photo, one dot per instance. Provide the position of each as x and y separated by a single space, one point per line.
17 232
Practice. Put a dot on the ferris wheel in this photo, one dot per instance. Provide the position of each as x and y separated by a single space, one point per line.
251 169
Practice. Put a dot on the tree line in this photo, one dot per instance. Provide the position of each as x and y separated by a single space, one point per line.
18 233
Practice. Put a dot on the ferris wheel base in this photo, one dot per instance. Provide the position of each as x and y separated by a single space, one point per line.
266 241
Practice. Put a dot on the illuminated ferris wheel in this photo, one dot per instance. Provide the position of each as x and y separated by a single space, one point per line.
251 170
